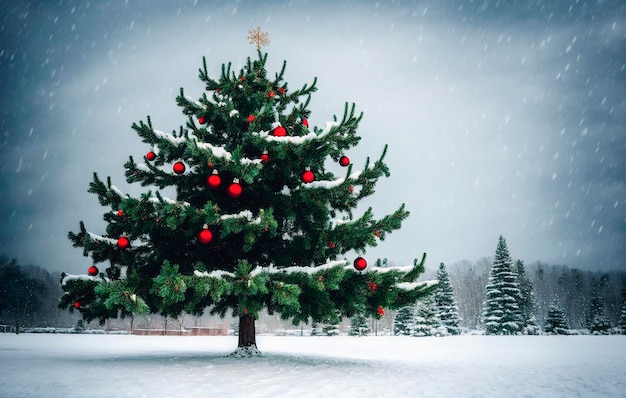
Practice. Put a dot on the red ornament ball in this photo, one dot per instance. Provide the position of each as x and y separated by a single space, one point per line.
93 270
123 243
372 286
179 167
251 118
214 180
307 177
380 311
201 120
120 213
151 156
305 122
77 304
360 264
344 161
265 157
271 94
332 245
281 90
235 190
205 236
279 131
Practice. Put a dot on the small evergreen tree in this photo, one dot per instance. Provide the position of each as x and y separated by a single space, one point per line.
404 322
359 325
598 323
555 320
446 307
526 302
622 319
427 323
501 313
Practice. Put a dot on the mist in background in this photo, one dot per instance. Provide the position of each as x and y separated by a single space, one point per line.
502 118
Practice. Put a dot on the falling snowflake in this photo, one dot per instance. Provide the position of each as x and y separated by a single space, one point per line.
258 37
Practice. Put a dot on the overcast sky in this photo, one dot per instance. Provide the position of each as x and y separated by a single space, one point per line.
501 119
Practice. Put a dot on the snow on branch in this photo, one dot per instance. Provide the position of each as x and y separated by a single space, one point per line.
221 152
298 140
170 201
328 184
307 270
102 238
217 151
247 214
169 137
213 274
118 191
414 285
84 277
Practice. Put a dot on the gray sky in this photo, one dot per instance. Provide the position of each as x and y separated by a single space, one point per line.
501 119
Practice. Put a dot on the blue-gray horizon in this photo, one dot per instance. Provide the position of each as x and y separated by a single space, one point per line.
502 118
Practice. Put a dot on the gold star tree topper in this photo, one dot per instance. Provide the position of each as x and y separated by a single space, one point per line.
258 37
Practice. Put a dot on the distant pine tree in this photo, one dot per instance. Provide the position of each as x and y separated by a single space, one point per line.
359 325
501 313
555 320
427 322
622 319
598 323
404 322
446 307
526 301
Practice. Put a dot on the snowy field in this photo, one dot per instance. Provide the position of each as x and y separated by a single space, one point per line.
53 365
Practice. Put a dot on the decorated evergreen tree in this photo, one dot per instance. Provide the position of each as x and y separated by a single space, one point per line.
427 323
447 310
264 212
597 323
359 325
555 320
501 312
404 321
526 302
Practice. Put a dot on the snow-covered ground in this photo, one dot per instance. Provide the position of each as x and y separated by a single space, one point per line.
53 365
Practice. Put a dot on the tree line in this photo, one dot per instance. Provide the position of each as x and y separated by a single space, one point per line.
499 296
502 296
29 297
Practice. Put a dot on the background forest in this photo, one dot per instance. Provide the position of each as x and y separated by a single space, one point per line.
31 294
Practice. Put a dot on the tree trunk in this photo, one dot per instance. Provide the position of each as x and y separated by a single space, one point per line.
247 332
247 338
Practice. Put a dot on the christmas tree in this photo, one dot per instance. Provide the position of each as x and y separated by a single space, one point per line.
447 311
501 313
264 214
555 320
